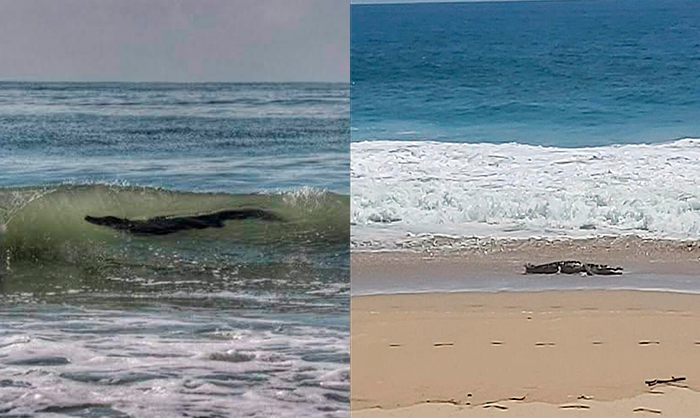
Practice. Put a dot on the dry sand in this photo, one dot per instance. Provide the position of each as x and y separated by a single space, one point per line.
669 401
478 354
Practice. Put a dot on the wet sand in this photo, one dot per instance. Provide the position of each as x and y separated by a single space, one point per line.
473 264
447 257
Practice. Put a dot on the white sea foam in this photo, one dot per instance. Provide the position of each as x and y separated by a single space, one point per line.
401 188
154 364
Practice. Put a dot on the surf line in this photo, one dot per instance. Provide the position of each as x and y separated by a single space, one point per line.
162 225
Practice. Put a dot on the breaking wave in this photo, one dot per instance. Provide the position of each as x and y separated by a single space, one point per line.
515 190
44 238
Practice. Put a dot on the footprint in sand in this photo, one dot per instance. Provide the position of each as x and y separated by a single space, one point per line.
574 406
450 401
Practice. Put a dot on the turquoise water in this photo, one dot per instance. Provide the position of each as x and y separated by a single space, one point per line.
562 74
250 319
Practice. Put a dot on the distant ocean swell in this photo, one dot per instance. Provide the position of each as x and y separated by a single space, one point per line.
516 190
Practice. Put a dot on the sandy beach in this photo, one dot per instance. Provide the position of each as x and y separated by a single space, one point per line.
489 136
527 353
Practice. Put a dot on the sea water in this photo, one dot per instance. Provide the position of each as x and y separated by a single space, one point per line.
481 123
251 319
522 119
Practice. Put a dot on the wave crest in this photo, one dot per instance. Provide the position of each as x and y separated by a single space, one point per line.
522 190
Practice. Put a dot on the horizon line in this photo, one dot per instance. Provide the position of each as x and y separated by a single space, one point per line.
462 1
4 81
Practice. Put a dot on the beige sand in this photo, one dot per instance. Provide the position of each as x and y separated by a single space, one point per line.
670 402
453 354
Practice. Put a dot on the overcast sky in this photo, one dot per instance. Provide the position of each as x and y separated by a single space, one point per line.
175 40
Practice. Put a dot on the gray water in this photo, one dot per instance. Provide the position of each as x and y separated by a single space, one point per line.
251 319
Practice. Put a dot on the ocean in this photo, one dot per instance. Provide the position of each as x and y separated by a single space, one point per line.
250 318
515 120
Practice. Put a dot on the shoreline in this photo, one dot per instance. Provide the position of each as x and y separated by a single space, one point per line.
492 265
454 327
604 249
453 351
